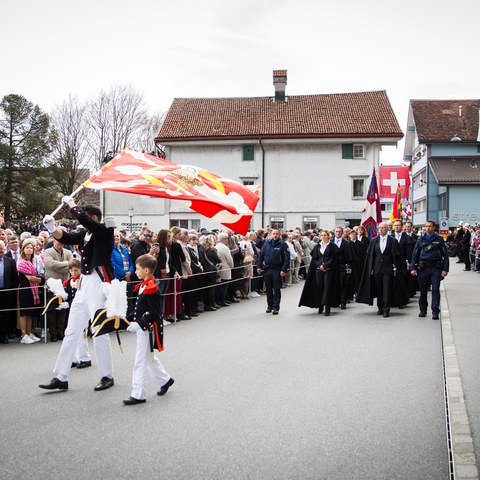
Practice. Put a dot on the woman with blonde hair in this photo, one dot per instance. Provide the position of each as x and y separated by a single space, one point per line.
29 292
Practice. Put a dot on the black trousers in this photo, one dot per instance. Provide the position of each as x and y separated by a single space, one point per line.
384 285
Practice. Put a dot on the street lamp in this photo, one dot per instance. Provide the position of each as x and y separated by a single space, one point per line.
130 214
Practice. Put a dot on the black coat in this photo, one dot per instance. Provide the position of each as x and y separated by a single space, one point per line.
322 288
10 281
388 262
96 252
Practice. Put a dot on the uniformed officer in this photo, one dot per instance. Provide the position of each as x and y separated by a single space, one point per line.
95 243
431 263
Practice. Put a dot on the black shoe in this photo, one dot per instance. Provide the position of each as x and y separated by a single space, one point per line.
183 317
343 306
164 389
104 383
86 364
74 365
210 309
467 269
320 310
193 314
327 312
422 314
435 315
225 304
234 300
274 312
53 337
459 261
133 401
268 310
380 311
216 306
4 340
386 313
55 384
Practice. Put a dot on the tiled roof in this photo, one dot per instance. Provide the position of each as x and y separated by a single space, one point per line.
301 116
439 120
458 172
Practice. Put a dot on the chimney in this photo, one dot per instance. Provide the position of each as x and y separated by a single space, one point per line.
280 81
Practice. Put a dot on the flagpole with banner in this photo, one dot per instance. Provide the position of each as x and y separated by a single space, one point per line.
397 212
372 213
223 200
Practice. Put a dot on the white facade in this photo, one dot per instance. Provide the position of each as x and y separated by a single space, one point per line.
305 183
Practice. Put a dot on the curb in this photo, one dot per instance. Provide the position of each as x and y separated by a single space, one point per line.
462 455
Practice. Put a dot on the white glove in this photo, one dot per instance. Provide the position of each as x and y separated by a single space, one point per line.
66 199
133 327
110 222
63 306
49 223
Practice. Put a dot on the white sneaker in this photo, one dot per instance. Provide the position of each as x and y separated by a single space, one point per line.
34 337
26 339
254 294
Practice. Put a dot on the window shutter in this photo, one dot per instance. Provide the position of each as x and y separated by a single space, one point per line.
347 150
248 152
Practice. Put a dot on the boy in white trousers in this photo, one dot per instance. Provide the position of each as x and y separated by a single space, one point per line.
148 324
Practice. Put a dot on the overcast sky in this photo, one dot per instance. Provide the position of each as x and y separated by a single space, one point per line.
228 48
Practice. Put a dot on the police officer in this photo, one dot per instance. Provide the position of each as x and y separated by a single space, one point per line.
273 261
430 262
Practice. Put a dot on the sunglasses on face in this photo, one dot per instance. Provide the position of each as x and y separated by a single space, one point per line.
148 235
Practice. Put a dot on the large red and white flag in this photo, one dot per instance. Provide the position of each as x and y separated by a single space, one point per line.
227 202
390 178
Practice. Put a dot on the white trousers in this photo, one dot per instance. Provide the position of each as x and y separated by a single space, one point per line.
83 352
143 361
88 299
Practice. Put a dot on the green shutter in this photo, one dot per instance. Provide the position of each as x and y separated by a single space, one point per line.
347 150
248 152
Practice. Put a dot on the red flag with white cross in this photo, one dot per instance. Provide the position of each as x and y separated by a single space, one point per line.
390 178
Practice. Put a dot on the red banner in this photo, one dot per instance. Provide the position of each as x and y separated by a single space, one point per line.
227 202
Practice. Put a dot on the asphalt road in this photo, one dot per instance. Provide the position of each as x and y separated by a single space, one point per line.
256 396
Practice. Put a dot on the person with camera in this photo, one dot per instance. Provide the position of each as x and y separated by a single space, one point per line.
431 263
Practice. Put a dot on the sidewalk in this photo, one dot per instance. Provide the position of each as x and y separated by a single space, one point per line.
461 295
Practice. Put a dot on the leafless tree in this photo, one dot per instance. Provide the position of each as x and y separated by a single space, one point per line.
71 157
115 117
145 140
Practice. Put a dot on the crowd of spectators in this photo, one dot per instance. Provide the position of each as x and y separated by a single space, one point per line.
198 271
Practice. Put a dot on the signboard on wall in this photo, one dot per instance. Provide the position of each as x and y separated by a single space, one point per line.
443 227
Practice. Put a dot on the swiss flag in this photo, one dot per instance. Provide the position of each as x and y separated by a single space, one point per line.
390 178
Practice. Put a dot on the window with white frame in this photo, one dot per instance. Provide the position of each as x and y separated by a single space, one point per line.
358 150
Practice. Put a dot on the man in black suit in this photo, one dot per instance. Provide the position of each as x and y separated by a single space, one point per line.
345 259
8 297
378 278
406 245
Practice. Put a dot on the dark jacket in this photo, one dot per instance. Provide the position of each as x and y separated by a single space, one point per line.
274 255
430 251
96 252
10 281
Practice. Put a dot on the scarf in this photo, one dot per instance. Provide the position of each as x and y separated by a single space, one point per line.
26 267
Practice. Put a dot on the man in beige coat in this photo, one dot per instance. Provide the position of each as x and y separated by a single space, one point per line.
56 266
225 272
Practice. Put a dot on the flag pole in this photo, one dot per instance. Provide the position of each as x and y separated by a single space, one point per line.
81 187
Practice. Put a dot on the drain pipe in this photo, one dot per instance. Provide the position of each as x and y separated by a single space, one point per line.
263 182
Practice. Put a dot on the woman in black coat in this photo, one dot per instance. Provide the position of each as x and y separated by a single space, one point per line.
322 286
